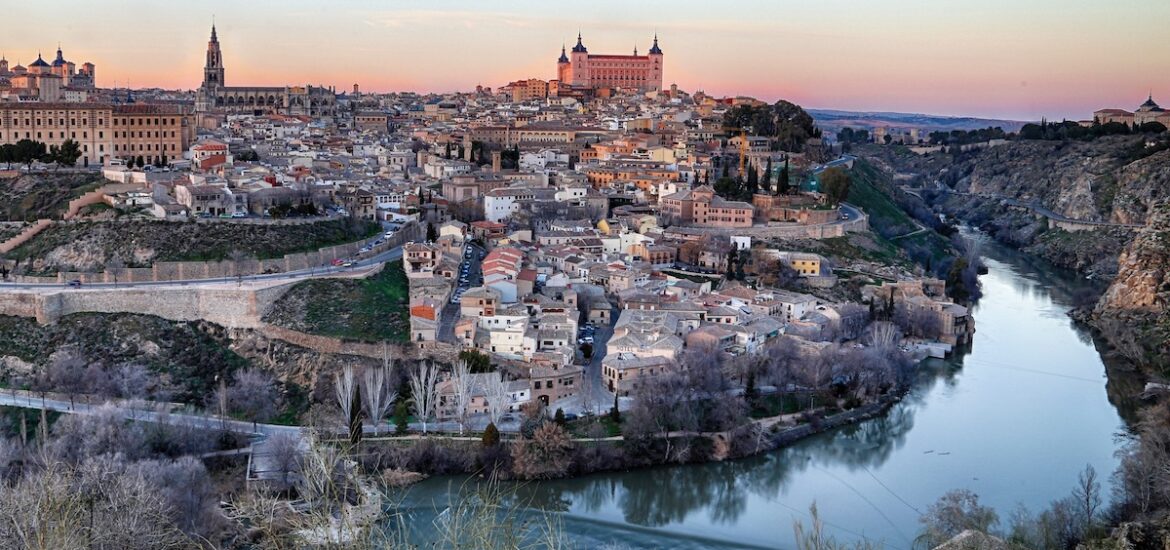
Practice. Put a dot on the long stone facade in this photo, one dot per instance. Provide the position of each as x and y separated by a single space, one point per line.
215 95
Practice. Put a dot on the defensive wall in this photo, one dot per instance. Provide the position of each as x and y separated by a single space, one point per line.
183 271
230 307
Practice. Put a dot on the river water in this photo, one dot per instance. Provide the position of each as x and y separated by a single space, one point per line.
1014 420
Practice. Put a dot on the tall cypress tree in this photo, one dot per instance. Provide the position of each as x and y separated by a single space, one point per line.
355 417
782 183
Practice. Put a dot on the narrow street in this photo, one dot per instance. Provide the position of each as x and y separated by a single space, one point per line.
469 276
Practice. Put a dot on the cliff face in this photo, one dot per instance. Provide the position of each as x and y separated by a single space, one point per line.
1113 179
1134 314
1116 179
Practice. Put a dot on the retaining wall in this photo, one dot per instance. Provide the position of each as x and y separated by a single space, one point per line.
184 271
230 307
29 232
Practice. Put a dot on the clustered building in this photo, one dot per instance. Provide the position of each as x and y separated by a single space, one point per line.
543 224
44 81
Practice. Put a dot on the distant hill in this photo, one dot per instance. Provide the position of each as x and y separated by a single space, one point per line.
832 120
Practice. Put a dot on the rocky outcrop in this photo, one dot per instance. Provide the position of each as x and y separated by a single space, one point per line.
1134 313
1112 180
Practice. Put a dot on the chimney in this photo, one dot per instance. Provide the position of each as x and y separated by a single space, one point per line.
497 164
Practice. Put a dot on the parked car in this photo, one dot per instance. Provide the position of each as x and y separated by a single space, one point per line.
347 263
75 283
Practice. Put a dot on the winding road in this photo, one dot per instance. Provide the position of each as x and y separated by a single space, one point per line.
389 255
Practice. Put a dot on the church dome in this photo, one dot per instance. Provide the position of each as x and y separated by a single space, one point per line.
19 69
564 58
39 62
1149 105
60 61
655 49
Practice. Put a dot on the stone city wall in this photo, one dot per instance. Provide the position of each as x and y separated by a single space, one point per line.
229 307
28 233
184 271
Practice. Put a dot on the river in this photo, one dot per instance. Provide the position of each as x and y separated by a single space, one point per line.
1014 419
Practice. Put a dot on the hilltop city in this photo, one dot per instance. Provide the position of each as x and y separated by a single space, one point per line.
539 279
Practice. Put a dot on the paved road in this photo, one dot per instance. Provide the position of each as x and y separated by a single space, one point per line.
262 464
451 311
1039 209
389 255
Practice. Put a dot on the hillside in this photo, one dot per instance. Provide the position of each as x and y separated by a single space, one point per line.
1114 179
874 191
42 195
128 354
372 309
185 358
92 245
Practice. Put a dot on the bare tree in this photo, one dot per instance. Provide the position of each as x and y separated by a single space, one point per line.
461 389
424 391
853 319
1088 495
252 395
499 399
285 453
377 393
545 456
345 387
882 335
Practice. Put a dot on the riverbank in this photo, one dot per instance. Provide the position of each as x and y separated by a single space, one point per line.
1014 419
425 456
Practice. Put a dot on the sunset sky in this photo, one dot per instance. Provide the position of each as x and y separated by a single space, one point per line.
1019 59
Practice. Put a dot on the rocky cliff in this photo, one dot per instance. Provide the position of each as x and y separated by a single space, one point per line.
1134 313
1116 179
1112 179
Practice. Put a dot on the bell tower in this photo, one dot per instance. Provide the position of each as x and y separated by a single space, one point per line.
213 69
